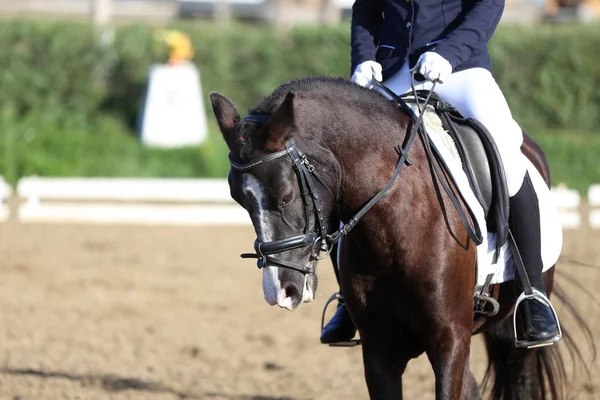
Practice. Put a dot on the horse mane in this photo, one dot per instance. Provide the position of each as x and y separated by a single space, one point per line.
334 89
331 87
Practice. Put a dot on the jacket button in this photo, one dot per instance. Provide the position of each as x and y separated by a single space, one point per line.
408 24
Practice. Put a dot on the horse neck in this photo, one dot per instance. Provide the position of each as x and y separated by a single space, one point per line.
365 148
397 225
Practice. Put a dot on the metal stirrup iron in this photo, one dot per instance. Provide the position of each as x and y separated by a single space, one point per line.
349 343
529 293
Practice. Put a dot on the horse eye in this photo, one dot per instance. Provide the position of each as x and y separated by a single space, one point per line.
287 198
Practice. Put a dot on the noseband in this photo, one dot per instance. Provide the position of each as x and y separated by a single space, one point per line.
265 251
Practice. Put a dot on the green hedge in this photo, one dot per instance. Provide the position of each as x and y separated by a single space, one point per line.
550 74
67 107
43 145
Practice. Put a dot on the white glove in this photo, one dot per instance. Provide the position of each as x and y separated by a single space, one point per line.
433 66
365 73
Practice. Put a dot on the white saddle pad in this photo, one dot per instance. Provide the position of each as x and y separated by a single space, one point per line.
551 229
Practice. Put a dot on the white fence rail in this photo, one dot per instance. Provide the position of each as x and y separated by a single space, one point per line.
5 193
129 201
568 202
125 189
179 202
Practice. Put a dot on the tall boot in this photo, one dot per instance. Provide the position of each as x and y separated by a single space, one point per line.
340 327
536 324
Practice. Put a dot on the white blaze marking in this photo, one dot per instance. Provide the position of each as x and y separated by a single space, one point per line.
253 190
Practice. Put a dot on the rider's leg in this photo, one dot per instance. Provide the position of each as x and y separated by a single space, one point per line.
340 327
476 94
537 320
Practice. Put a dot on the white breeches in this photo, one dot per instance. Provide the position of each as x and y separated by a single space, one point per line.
475 93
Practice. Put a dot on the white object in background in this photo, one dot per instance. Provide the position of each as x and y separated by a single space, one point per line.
173 113
5 193
594 201
200 201
184 190
136 214
146 201
567 201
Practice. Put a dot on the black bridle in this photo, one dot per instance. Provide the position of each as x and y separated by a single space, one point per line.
320 240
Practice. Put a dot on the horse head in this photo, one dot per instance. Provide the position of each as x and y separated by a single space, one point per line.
289 196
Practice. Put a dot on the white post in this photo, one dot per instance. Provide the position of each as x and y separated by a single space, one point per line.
330 12
101 12
222 12
282 14
101 17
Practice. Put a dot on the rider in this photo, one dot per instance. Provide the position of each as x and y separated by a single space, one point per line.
446 40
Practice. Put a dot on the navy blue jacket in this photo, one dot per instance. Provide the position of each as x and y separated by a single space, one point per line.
392 31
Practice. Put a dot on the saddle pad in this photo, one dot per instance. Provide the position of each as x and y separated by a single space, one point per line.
551 229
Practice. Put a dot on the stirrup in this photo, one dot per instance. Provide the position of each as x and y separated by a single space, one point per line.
486 305
349 343
541 297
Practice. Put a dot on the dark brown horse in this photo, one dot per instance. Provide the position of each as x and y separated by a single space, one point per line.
312 154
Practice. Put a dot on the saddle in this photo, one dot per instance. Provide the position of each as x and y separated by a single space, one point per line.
480 159
483 167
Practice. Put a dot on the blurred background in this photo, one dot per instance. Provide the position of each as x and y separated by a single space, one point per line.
74 75
120 275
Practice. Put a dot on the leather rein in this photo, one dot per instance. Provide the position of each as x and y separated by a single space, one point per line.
319 240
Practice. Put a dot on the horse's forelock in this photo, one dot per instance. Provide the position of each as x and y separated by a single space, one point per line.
245 139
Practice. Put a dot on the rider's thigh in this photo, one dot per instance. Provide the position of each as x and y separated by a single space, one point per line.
399 83
475 93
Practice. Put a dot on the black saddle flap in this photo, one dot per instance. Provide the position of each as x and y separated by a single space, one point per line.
481 163
484 168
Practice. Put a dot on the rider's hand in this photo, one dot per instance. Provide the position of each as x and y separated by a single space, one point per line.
366 72
433 66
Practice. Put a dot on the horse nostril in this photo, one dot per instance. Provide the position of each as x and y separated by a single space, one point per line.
290 296
293 291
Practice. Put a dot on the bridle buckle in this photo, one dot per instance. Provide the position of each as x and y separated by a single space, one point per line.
307 163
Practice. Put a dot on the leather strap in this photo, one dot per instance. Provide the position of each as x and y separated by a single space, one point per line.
348 226
473 232
521 271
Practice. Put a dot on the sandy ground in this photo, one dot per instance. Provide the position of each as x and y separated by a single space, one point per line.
109 312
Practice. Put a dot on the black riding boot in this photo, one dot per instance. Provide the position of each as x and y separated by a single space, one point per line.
340 328
536 324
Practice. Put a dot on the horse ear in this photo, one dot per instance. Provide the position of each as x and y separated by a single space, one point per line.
227 116
277 127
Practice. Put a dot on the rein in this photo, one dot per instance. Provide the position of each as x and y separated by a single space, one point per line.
473 232
337 235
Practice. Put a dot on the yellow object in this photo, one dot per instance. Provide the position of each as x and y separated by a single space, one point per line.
180 45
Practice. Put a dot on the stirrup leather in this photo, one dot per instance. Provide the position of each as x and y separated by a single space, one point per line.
541 297
350 343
